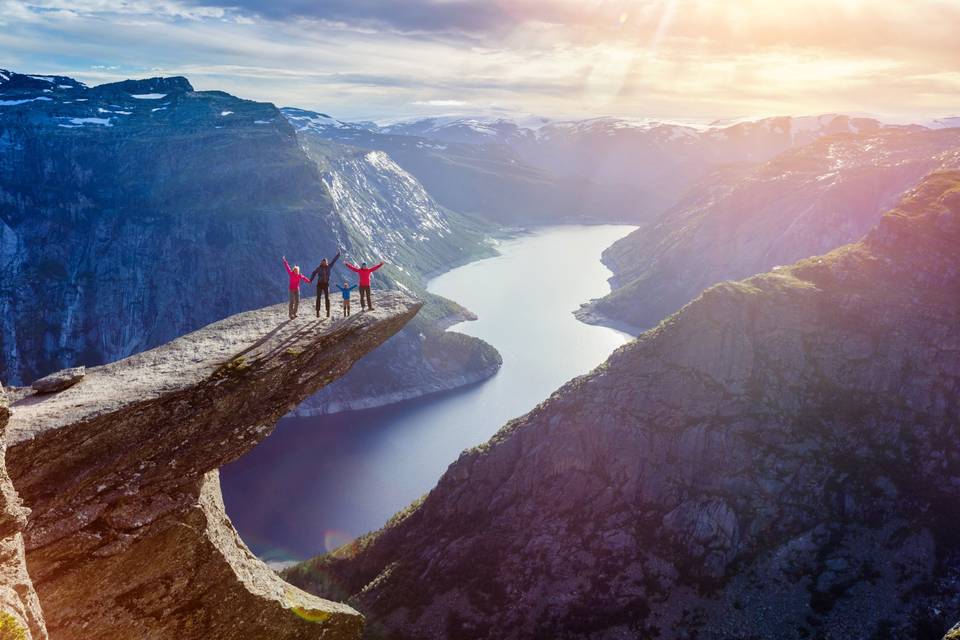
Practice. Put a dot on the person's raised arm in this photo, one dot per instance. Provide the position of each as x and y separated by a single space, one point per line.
374 268
314 274
287 265
353 268
335 258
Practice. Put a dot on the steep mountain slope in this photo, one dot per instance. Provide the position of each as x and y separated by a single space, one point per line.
487 179
134 211
740 222
779 459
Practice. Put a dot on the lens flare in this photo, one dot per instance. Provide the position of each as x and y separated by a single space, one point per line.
334 539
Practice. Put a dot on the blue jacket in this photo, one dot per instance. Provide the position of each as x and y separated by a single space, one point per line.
346 290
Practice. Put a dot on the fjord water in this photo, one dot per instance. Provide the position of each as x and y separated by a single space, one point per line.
318 482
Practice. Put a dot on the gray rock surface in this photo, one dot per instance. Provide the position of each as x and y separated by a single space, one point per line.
59 380
127 537
780 459
18 600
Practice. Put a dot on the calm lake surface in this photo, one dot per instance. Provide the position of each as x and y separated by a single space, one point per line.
318 482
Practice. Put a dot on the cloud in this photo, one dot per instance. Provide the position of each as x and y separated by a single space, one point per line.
441 103
375 59
406 16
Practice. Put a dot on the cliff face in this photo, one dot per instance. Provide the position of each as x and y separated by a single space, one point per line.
18 600
741 222
779 459
127 536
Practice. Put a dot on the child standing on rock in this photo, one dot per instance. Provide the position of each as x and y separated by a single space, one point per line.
295 279
345 290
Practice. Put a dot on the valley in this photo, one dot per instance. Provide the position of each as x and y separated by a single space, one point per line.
320 481
777 459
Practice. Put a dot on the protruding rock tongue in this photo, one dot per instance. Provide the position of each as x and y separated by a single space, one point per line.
128 536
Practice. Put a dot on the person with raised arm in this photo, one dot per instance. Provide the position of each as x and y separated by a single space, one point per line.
345 289
322 275
364 272
295 279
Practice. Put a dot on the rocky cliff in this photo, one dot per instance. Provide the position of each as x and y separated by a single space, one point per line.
127 535
739 222
779 459
19 607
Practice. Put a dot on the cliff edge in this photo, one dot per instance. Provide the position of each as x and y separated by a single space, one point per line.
127 535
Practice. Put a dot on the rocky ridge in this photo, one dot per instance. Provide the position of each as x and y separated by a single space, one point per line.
779 459
127 535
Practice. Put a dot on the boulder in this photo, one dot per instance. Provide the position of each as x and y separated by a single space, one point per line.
60 380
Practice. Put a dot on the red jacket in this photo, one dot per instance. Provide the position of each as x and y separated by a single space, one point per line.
295 278
364 273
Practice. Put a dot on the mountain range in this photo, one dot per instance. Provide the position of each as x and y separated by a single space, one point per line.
775 457
655 160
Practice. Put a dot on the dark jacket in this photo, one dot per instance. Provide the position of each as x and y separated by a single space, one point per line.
322 272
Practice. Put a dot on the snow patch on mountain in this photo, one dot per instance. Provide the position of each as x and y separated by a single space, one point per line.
79 122
949 122
10 103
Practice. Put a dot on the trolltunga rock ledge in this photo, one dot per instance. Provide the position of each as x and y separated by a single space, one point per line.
127 535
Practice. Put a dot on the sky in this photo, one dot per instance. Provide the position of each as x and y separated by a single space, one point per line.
695 60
